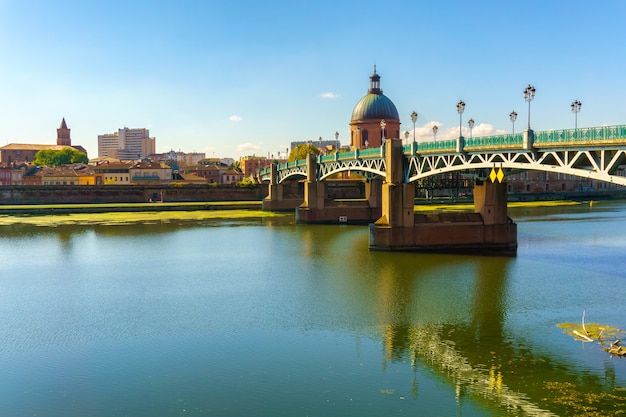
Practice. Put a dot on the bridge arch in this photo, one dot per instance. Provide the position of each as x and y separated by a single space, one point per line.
376 167
598 164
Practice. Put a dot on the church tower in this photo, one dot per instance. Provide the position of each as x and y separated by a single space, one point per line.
63 135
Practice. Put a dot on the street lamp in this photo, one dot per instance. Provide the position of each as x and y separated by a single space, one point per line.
367 144
513 118
435 129
406 136
358 137
575 109
382 126
529 95
337 140
470 123
414 119
460 107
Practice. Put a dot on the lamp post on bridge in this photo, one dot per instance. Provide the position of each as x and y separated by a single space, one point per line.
337 141
470 123
406 136
414 119
358 137
460 108
382 127
529 95
513 118
435 129
575 109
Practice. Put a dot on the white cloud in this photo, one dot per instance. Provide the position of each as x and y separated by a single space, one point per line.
329 95
235 118
248 148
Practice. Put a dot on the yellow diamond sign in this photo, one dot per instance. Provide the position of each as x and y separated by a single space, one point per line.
500 175
493 175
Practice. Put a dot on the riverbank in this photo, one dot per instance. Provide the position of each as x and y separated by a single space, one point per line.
52 209
117 214
47 209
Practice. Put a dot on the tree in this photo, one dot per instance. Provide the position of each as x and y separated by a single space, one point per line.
64 156
301 151
235 166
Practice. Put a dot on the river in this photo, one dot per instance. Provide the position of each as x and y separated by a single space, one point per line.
264 317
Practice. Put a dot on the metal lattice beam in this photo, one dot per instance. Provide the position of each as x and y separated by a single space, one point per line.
595 153
598 164
376 166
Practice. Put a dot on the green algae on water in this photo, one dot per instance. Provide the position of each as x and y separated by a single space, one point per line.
120 218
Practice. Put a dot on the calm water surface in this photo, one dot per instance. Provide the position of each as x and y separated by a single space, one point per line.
269 318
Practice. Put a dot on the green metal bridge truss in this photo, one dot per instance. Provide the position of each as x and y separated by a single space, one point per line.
595 153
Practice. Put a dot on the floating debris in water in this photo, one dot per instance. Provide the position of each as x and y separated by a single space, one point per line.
595 332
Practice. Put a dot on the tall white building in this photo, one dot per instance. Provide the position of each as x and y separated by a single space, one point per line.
127 144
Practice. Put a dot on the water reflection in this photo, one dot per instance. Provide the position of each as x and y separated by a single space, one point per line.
449 314
476 354
190 294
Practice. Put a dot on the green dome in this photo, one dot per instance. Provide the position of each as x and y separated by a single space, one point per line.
375 106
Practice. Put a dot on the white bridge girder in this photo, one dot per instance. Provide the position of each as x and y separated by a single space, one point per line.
598 164
376 166
285 174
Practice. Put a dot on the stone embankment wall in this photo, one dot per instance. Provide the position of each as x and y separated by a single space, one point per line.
125 194
82 194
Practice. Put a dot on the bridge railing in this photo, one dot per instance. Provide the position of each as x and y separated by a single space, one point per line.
283 166
495 141
349 155
588 134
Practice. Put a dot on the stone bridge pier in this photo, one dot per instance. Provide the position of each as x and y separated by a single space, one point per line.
277 198
318 208
399 228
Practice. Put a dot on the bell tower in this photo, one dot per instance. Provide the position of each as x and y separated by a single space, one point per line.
63 135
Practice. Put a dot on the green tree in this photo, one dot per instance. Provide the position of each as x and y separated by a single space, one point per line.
64 156
235 166
301 151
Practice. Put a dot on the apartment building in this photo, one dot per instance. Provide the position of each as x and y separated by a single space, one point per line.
126 144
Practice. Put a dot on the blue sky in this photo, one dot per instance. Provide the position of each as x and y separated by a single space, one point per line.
233 78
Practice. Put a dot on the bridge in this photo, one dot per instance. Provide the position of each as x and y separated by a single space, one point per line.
595 153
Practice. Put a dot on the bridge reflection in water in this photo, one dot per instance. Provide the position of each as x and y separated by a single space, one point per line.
455 326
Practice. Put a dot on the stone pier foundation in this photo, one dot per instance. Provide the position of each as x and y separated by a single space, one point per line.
488 230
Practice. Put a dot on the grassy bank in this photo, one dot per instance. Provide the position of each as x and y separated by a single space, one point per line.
128 207
118 214
465 207
121 218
